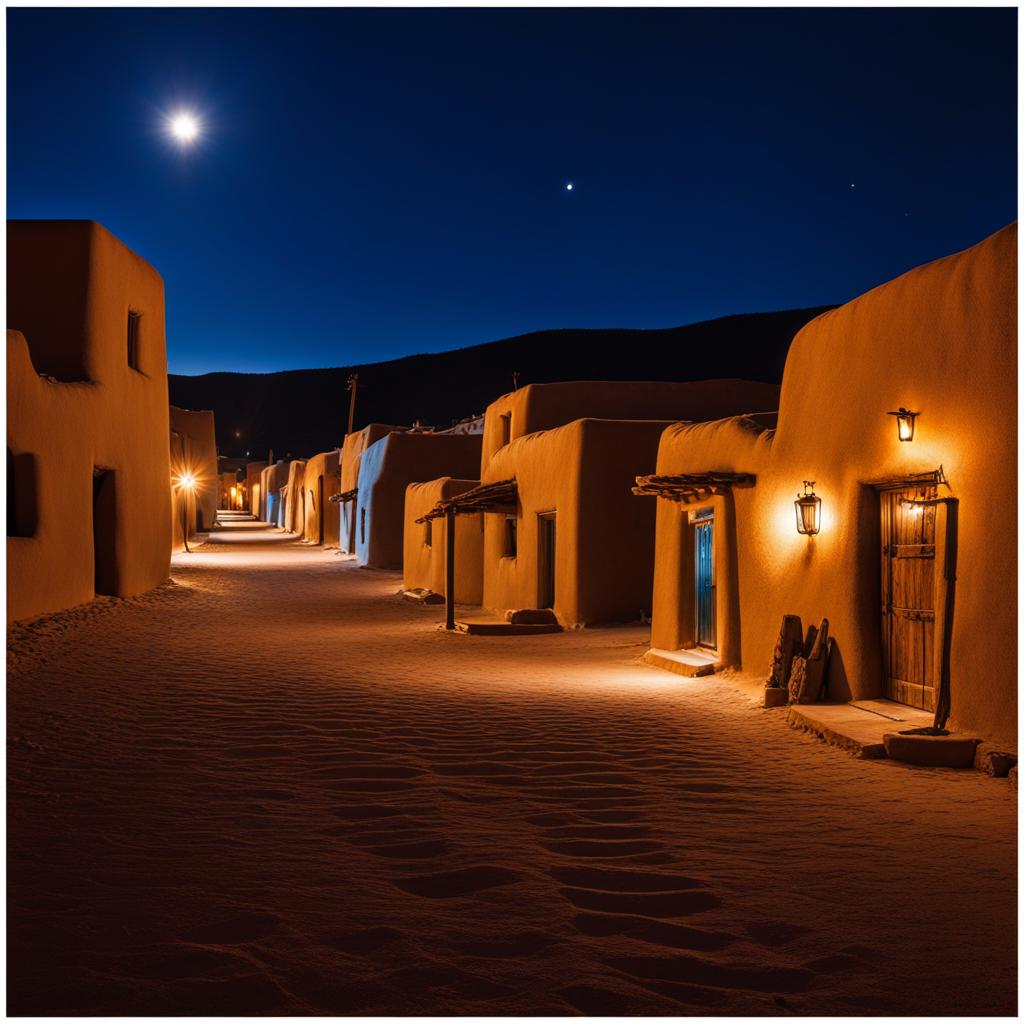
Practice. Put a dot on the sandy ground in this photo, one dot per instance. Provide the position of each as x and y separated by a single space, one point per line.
272 787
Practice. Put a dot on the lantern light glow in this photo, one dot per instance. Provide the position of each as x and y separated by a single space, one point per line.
904 423
808 510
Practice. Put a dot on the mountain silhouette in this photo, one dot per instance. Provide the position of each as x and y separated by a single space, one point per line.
298 413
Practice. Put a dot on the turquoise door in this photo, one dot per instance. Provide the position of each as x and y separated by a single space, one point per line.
704 574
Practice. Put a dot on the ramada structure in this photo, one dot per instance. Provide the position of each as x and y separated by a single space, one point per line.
88 470
898 412
561 531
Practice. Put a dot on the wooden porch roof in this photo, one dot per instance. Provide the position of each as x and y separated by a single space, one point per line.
690 487
348 495
499 497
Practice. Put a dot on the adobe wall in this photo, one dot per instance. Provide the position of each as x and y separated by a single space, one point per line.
546 406
113 418
277 479
424 550
295 497
386 468
322 479
198 427
941 340
229 480
604 537
253 493
351 452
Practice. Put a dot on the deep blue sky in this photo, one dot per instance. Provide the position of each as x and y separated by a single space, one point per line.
373 183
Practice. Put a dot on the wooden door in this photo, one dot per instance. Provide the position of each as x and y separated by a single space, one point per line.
908 597
546 560
704 582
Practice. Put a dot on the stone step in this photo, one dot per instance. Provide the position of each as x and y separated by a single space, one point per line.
689 662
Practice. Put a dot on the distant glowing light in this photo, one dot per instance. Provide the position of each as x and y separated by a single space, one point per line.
184 127
187 481
569 186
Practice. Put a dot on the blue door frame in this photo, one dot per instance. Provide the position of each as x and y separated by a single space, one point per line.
704 581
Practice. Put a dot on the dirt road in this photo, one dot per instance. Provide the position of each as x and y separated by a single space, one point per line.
273 787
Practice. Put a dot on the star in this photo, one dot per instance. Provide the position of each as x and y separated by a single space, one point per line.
569 186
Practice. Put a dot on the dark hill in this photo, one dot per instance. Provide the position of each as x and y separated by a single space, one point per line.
302 412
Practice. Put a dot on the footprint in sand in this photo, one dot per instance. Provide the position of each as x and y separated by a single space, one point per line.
658 933
412 851
697 971
658 904
360 943
235 931
448 884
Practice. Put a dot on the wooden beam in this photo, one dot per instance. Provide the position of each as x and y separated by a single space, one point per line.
449 573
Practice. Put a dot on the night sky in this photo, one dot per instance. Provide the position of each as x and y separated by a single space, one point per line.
373 183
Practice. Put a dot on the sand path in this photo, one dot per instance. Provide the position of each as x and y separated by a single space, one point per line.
273 787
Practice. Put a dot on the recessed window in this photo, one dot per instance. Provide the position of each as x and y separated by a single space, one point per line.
133 338
428 533
506 428
22 495
511 536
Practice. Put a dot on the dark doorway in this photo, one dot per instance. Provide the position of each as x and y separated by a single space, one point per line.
908 596
320 506
104 530
22 495
546 560
704 581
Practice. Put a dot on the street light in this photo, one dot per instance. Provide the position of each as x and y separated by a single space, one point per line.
187 485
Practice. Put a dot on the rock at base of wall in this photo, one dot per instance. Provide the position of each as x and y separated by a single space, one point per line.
776 696
531 616
993 761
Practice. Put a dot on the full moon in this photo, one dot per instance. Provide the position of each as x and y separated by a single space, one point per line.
184 128
568 186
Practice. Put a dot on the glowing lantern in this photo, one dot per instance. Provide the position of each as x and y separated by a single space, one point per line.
904 423
808 510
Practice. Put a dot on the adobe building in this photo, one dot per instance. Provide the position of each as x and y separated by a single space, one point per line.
195 457
273 481
295 497
253 471
559 533
352 450
425 542
898 409
88 469
386 468
322 479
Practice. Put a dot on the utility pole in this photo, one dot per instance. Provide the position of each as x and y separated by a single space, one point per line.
351 387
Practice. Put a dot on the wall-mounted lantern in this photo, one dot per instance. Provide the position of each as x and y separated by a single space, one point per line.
904 423
808 510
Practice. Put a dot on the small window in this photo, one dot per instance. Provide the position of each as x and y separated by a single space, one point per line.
133 338
22 496
511 536
428 533
506 428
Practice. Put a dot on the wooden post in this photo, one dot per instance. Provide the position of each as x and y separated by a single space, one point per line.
942 703
449 575
353 384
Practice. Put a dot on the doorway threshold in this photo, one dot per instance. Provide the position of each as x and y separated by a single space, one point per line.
692 661
859 727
